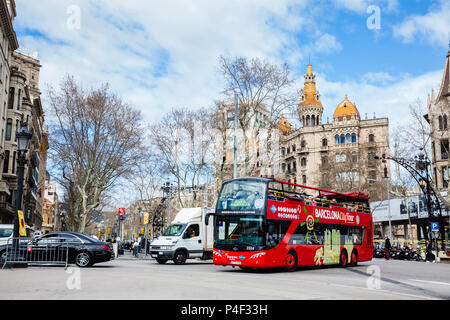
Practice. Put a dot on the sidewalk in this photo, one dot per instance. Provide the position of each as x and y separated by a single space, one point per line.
129 256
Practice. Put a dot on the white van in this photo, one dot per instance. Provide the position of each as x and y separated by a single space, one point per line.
7 230
187 237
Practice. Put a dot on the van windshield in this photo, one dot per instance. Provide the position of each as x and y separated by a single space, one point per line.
5 233
174 230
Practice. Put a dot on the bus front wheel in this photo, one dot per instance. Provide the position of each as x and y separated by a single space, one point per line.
291 261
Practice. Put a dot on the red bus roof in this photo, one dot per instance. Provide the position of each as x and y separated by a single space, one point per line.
331 194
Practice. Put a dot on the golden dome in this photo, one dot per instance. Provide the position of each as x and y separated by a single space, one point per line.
346 108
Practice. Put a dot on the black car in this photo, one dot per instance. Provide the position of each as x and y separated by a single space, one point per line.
82 249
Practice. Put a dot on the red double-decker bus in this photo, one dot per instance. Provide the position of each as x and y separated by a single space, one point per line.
267 223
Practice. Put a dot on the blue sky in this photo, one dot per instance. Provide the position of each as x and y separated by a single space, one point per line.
164 54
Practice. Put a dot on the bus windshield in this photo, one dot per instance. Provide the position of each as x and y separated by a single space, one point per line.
244 232
242 195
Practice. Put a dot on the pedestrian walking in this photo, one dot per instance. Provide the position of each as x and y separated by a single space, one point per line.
136 248
387 248
429 254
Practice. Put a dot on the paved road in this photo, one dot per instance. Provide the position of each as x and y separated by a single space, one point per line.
378 279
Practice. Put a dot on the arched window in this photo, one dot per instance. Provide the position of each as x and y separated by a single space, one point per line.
348 138
307 120
353 137
371 138
324 142
445 121
336 139
313 120
11 98
440 123
342 139
304 179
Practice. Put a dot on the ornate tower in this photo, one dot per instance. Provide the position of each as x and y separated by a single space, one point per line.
310 108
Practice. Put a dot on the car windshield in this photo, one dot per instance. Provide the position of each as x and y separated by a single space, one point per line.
174 230
242 195
5 233
239 230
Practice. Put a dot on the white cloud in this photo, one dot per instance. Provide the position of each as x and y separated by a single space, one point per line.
432 27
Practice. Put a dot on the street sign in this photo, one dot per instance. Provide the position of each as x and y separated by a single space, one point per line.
22 229
435 226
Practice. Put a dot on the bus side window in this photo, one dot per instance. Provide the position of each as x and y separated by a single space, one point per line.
276 230
357 234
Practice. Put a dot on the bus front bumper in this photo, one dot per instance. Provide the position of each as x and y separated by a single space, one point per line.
253 259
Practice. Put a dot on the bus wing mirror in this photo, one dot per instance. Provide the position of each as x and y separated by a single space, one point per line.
207 217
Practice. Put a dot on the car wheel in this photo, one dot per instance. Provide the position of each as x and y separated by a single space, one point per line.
180 257
83 259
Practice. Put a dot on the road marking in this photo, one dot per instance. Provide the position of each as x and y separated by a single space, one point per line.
432 282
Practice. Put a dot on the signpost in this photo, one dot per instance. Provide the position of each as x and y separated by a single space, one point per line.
146 216
435 230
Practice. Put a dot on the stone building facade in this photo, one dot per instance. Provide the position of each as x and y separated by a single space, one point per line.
339 155
439 118
8 43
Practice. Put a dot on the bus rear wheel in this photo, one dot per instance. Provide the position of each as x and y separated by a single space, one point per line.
343 260
354 260
291 261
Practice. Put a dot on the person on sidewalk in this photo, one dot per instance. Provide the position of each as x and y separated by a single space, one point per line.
387 248
136 248
429 248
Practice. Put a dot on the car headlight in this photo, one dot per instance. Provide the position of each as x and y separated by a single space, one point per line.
166 247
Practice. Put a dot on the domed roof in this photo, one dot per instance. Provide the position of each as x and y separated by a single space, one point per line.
345 108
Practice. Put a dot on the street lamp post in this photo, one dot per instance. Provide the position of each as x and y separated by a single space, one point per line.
23 143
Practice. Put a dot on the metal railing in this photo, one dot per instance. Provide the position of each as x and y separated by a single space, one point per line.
26 251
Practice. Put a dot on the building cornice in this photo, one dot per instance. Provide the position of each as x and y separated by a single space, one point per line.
6 22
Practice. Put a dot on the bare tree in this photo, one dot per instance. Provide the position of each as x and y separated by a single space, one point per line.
183 143
95 140
264 92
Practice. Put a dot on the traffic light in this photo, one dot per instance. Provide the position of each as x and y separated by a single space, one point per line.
165 220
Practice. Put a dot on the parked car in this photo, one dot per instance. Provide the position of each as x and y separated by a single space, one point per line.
83 250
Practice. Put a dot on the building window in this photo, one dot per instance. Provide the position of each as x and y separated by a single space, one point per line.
444 149
348 138
324 142
303 162
6 162
440 123
304 179
341 158
11 98
353 137
342 139
336 139
18 99
445 122
303 144
14 162
283 167
283 151
371 138
8 129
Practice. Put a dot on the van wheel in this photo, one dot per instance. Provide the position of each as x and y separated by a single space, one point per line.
179 257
